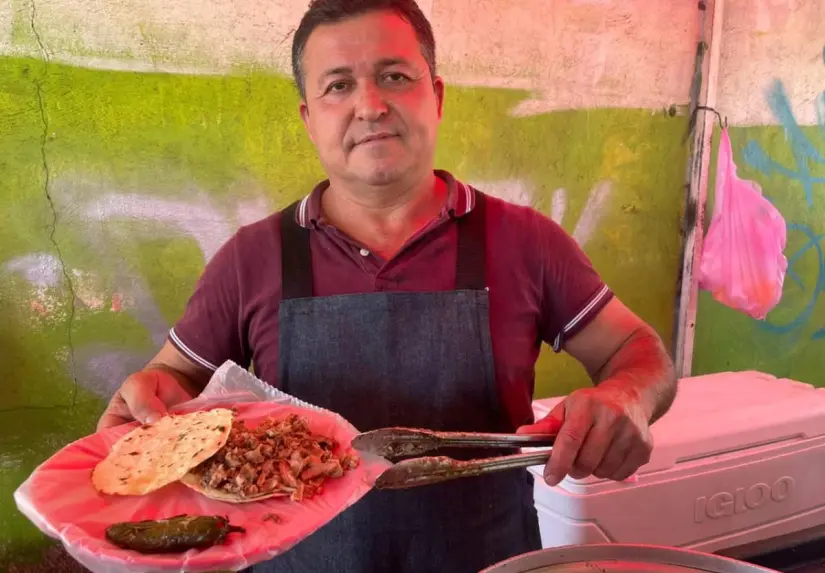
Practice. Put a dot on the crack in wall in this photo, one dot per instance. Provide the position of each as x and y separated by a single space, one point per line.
287 36
38 83
36 32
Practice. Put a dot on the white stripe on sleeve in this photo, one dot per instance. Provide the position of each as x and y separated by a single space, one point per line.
202 361
597 298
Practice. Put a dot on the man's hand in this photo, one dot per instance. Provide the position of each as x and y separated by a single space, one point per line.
605 431
145 397
602 431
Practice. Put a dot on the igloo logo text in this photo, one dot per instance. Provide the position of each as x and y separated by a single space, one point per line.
742 499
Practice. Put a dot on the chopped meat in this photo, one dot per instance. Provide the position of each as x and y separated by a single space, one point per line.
279 457
255 456
216 477
233 459
267 473
249 472
327 469
287 475
349 461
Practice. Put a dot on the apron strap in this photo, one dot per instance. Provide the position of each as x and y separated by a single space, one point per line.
471 267
296 256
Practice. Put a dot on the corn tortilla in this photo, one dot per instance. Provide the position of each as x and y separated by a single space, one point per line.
193 481
155 455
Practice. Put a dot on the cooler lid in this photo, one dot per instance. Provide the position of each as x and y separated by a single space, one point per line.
726 412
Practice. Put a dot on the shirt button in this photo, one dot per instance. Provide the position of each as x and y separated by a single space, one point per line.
364 253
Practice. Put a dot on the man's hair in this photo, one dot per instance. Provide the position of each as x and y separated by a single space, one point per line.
332 11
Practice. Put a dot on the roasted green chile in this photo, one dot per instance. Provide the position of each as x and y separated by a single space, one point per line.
173 535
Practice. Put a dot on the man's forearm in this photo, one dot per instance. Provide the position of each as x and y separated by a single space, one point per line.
643 368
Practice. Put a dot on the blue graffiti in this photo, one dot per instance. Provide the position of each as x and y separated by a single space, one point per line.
805 156
814 241
802 148
820 111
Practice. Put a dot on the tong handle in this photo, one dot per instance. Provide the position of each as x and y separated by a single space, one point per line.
426 471
471 440
400 442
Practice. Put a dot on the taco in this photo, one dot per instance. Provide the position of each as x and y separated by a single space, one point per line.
277 458
155 455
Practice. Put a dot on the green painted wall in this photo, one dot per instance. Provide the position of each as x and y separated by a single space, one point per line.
70 137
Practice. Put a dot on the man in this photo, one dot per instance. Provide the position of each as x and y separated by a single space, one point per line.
398 296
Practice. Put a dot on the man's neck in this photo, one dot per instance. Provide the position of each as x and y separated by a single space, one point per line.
384 219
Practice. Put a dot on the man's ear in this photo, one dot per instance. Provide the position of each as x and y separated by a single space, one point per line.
438 86
304 109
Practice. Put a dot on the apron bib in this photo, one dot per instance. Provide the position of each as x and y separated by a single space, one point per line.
404 359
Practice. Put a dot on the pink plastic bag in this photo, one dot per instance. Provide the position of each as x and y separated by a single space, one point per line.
743 264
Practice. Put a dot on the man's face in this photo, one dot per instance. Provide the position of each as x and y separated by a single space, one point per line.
371 108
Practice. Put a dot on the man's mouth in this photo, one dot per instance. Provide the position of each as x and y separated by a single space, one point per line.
373 137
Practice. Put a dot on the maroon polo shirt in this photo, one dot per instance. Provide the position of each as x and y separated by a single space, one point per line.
542 287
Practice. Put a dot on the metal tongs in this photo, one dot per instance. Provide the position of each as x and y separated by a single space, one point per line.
393 443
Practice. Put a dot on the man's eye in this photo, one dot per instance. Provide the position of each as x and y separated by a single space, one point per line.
337 87
395 77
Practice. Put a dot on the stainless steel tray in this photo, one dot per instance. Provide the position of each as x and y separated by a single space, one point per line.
622 558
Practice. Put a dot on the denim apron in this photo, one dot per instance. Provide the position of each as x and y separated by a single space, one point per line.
404 359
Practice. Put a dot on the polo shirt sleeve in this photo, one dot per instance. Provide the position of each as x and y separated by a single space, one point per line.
209 331
573 293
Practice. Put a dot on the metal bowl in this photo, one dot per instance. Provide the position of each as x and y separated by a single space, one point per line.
623 558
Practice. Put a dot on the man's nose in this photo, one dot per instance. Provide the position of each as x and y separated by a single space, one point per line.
370 104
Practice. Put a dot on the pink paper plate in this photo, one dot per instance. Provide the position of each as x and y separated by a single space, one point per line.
60 500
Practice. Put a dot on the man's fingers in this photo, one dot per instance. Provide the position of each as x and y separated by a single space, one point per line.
142 400
600 434
149 410
572 434
638 456
594 449
616 454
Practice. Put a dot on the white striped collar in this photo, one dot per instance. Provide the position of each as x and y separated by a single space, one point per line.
460 200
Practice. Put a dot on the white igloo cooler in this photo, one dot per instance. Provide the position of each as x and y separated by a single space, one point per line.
738 460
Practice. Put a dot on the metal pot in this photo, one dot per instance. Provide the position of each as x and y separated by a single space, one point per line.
624 558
